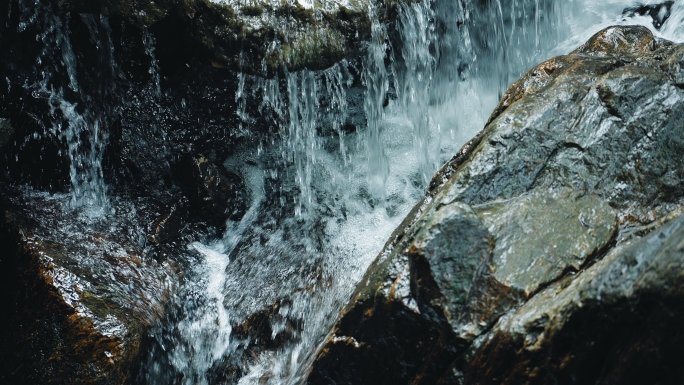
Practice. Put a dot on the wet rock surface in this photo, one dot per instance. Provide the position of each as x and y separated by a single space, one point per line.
154 100
539 253
80 294
613 324
260 37
213 193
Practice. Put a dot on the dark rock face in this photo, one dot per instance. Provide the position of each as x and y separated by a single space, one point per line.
539 253
6 132
213 193
258 37
81 294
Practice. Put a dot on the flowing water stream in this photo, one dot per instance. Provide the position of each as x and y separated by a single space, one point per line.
324 197
324 201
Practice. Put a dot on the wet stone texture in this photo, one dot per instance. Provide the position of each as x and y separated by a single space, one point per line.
214 194
549 249
259 37
80 295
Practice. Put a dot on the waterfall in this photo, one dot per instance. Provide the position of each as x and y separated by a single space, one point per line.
79 115
375 79
420 53
328 187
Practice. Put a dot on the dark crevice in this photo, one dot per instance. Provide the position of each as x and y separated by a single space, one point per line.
659 13
568 145
606 96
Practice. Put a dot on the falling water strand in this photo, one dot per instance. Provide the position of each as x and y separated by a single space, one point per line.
241 99
149 44
80 123
418 41
311 102
301 137
338 80
375 78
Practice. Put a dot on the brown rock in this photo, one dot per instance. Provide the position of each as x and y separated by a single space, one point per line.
80 297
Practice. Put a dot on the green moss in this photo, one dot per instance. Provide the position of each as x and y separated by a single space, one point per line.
97 305
252 10
314 50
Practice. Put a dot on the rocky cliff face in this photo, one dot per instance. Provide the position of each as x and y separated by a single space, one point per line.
547 250
256 37
566 203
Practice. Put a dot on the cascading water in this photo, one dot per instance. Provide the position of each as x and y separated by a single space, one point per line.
375 79
79 115
324 198
414 82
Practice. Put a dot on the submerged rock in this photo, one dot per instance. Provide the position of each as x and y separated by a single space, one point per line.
533 242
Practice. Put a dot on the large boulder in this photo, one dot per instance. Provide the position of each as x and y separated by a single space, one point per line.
534 243
616 323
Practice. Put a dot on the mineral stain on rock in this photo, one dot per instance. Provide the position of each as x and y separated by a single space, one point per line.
79 301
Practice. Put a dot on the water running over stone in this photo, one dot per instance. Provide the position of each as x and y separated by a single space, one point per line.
326 197
79 115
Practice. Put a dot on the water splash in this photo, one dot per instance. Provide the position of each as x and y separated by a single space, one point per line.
196 335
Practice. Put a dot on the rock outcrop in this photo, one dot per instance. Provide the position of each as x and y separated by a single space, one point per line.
258 37
549 249
79 296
